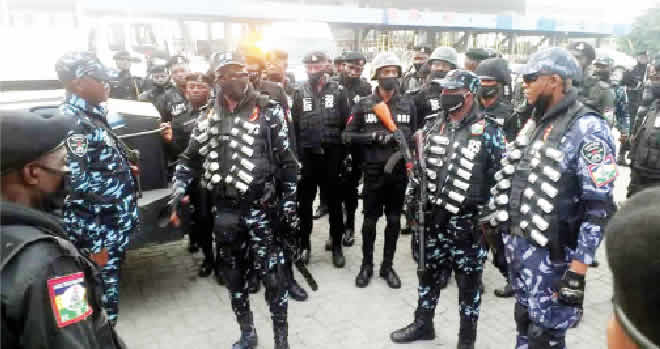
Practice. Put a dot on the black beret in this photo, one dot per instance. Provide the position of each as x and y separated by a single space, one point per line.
26 136
351 56
315 57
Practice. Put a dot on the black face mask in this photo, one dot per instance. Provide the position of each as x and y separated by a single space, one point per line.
655 89
388 84
437 74
452 102
315 78
234 89
603 75
486 92
54 202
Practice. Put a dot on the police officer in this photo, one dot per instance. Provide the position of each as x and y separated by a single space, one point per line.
601 96
174 99
123 85
320 110
177 137
101 212
585 54
552 200
277 63
463 149
427 100
474 56
356 88
494 74
622 113
639 74
338 72
383 192
159 80
240 153
645 153
415 77
442 60
51 292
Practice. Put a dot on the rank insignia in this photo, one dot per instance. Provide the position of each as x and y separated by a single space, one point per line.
593 152
77 144
68 298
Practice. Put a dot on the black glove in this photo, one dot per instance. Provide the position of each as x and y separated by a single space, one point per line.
382 137
570 289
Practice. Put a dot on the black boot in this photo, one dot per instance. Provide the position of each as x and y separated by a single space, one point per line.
467 334
338 259
193 247
387 273
249 339
253 282
349 237
504 292
421 329
296 291
364 276
206 268
281 333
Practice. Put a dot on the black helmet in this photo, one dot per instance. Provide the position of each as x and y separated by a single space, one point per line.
478 54
494 69
581 48
354 57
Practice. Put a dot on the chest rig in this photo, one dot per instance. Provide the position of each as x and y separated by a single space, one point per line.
534 197
456 161
234 149
321 122
646 155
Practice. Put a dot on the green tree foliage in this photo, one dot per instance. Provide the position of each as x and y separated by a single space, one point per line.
645 34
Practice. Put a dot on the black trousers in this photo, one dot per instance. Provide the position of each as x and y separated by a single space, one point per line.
201 220
321 170
383 194
350 186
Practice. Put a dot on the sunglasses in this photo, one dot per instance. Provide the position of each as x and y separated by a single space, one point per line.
529 78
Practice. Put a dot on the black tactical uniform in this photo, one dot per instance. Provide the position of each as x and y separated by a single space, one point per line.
415 77
645 155
356 88
319 117
636 89
383 192
123 85
43 279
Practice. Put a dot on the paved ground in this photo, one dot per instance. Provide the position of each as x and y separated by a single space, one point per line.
165 305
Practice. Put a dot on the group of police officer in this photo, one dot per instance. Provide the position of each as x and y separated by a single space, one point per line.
249 149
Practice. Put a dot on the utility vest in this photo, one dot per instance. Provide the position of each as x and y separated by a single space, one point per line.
402 114
532 197
320 122
456 165
236 148
646 151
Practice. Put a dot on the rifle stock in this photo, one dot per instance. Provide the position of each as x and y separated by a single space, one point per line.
383 113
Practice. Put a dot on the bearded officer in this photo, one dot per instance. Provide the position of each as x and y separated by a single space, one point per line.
240 154
553 198
51 293
463 151
383 192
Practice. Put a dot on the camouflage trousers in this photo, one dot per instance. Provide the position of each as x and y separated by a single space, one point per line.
242 233
540 318
110 275
457 247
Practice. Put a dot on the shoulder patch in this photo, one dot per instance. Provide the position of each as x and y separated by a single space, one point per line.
77 144
594 152
68 298
603 173
478 127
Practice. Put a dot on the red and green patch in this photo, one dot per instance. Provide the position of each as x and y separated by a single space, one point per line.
603 173
68 298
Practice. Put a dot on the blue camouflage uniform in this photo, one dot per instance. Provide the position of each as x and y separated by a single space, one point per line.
560 171
102 209
621 110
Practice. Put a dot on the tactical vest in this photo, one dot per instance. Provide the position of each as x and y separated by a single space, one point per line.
402 111
532 197
646 152
182 127
235 148
456 165
320 122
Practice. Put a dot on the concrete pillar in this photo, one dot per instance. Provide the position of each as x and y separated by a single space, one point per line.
229 35
356 39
